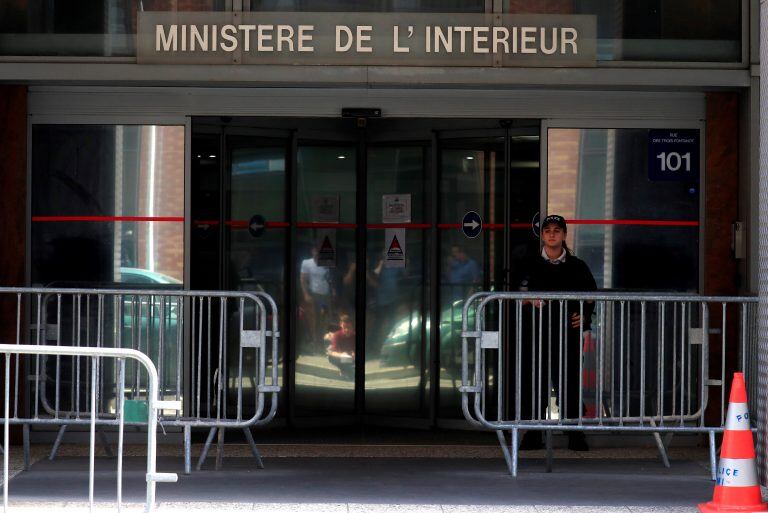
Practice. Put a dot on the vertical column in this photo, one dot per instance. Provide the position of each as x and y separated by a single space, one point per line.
13 183
720 210
762 353
13 206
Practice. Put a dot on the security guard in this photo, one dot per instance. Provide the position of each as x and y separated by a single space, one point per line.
557 269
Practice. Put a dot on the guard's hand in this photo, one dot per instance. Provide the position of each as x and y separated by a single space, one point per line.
575 320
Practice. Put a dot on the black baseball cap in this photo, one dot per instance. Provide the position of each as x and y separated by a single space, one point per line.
555 219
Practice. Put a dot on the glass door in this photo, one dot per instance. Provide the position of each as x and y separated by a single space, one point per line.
494 173
398 232
471 180
325 263
358 238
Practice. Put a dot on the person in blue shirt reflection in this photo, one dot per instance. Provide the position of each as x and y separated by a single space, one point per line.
464 273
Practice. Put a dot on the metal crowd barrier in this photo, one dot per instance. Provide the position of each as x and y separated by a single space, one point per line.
98 357
644 366
215 352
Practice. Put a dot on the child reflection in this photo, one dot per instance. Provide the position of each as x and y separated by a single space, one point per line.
341 347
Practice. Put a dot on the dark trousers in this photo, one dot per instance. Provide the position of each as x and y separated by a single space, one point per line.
540 371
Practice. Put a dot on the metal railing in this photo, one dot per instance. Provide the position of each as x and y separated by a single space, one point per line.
97 357
215 352
645 365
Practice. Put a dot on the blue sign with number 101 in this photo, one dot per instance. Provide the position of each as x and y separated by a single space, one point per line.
673 155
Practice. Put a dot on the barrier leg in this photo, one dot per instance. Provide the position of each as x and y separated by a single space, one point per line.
57 442
206 447
515 443
187 449
25 441
660 446
254 449
662 450
548 445
105 443
713 455
220 449
505 451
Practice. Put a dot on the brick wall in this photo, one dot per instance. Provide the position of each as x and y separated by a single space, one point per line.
563 169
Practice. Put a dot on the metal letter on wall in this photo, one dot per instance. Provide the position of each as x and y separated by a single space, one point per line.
366 39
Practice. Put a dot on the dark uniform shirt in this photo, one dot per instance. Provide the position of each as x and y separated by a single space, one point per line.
570 275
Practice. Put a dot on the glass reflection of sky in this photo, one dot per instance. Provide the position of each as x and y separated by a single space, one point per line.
251 167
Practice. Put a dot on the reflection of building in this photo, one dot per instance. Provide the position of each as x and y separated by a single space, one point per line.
160 246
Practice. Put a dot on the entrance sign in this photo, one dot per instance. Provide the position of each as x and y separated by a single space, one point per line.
366 39
396 208
472 224
673 155
395 242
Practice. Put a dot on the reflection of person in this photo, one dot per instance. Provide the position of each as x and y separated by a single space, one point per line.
341 347
556 270
464 273
387 290
316 289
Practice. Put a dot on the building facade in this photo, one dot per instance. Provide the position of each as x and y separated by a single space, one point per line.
328 151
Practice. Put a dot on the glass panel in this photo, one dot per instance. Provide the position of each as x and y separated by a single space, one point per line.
108 210
257 184
472 172
81 27
370 5
326 265
90 183
654 30
256 262
396 349
524 202
205 260
602 175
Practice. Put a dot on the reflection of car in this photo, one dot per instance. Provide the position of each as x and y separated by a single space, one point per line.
138 327
137 276
135 309
402 344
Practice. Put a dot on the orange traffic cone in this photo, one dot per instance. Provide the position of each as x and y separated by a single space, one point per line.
736 488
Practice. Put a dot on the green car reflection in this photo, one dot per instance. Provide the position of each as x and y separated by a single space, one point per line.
402 345
143 317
